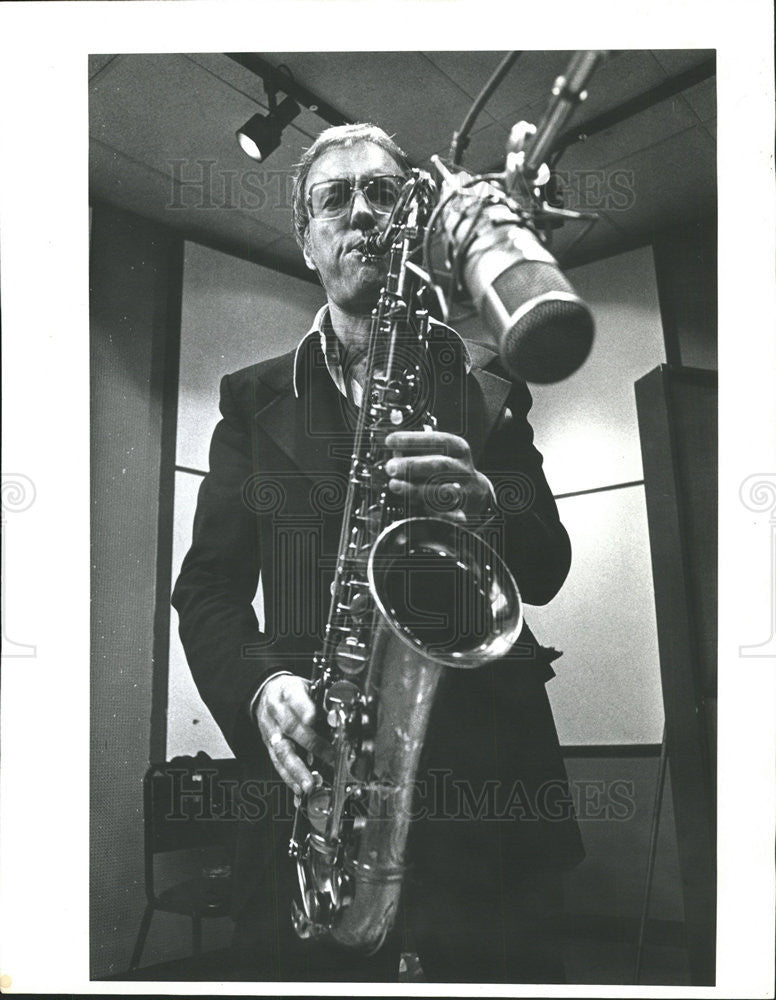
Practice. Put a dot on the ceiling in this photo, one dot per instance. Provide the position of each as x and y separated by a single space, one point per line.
162 138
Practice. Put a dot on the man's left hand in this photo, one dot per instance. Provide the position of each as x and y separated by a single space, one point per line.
436 474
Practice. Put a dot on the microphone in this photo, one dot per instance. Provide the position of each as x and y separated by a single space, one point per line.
543 330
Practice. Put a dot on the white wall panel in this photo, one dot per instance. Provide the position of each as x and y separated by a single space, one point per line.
190 726
233 314
607 688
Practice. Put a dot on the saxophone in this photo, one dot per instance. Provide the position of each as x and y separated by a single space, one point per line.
410 597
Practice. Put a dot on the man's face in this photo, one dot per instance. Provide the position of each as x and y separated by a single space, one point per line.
350 283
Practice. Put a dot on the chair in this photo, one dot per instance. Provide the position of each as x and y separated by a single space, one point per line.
189 805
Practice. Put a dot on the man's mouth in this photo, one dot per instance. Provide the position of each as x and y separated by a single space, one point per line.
359 248
363 258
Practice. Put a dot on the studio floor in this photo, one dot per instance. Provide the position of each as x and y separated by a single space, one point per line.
589 959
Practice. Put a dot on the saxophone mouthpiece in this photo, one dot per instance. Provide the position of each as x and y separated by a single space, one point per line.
370 248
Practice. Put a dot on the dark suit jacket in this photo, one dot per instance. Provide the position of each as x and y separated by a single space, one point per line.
272 503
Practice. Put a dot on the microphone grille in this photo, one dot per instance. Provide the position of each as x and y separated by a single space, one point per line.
545 331
550 342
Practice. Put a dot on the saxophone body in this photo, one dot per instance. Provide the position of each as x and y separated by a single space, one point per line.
411 597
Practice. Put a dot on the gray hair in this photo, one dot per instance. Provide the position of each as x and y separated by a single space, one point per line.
337 135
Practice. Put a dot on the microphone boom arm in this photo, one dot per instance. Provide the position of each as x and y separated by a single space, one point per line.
568 92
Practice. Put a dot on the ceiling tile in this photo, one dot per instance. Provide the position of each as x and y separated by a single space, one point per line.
601 239
676 61
621 77
232 73
163 109
525 93
404 92
702 98
187 139
522 92
487 146
163 135
469 70
637 132
119 180
673 181
97 63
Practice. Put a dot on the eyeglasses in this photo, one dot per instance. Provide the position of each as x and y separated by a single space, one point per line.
331 199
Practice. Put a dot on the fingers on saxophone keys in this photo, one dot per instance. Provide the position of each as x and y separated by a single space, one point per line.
419 468
292 723
305 712
310 740
289 765
296 722
440 442
401 487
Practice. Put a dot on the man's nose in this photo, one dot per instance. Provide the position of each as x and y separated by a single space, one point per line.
362 215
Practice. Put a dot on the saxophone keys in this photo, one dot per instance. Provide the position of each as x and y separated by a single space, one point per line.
342 695
350 656
318 808
359 604
304 927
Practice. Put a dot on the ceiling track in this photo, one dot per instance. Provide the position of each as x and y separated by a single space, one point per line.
674 85
622 112
264 69
662 92
628 109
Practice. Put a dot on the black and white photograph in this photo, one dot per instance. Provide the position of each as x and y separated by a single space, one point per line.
411 436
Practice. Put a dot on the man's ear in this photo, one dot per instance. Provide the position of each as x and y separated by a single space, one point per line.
306 251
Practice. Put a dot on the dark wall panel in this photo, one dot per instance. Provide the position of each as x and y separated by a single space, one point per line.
135 279
686 267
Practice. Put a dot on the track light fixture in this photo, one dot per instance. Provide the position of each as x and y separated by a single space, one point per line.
261 134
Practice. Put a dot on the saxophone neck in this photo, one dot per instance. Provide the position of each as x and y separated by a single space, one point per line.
412 209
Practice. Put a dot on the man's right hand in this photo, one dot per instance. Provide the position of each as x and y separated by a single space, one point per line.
285 714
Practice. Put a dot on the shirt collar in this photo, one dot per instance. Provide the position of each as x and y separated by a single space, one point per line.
321 328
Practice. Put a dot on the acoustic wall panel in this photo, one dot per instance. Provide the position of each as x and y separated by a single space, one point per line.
233 314
190 726
607 689
678 420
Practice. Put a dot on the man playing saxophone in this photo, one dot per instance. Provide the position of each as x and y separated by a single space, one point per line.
495 827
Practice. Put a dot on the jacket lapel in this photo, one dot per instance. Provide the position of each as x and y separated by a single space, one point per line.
465 404
315 430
